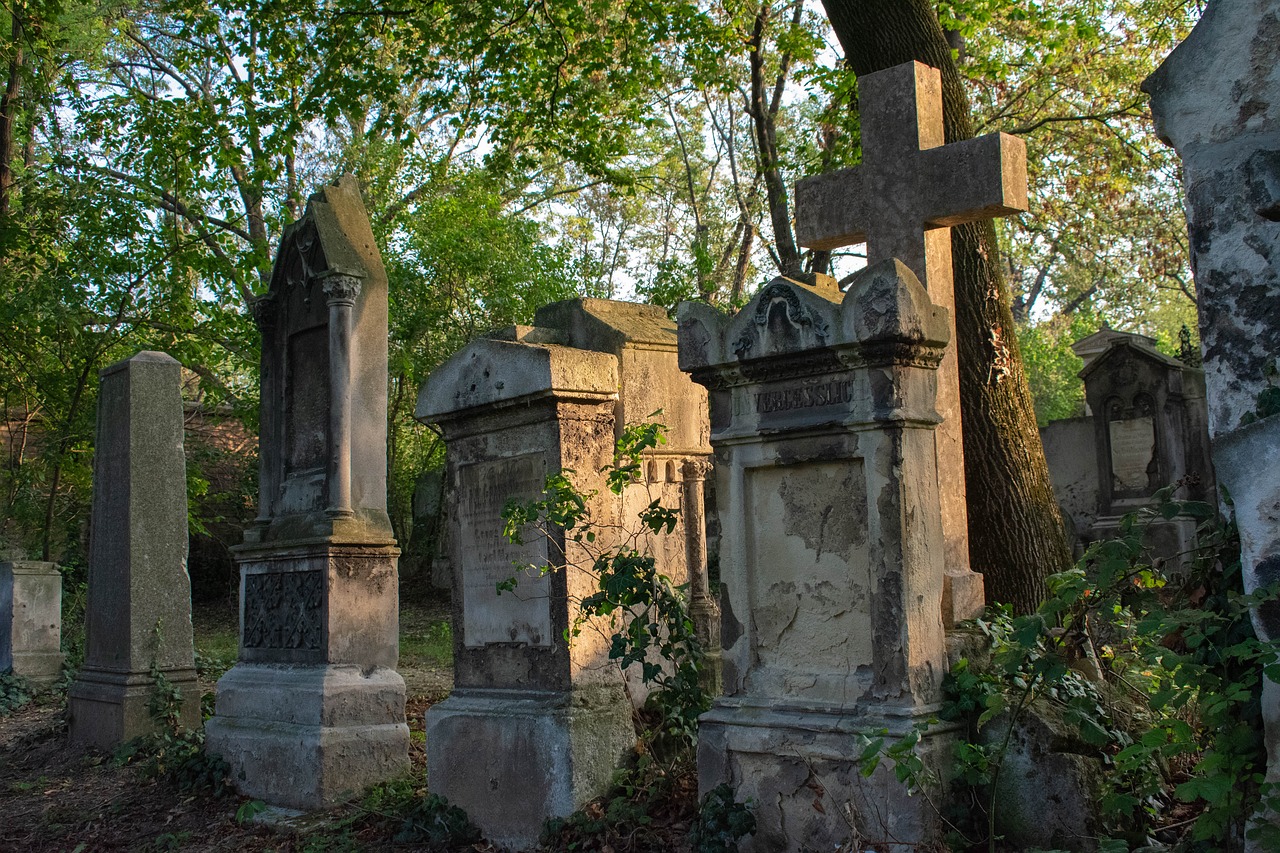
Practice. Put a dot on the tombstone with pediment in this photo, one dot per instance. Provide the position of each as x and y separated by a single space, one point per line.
314 709
823 412
1150 431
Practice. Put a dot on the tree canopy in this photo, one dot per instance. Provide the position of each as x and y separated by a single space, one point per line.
510 153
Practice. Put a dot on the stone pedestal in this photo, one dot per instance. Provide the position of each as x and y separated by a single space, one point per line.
139 610
535 725
31 620
831 551
314 711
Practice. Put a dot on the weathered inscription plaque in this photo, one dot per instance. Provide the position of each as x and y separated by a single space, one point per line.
522 615
307 400
1133 443
812 583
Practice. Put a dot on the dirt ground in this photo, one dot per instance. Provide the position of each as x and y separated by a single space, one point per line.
56 797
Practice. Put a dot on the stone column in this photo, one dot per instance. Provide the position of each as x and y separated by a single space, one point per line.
702 605
832 558
139 610
341 291
31 620
1216 100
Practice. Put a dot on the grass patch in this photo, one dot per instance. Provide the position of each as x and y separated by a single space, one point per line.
426 636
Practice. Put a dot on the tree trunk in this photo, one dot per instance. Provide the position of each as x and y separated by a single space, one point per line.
1016 534
9 112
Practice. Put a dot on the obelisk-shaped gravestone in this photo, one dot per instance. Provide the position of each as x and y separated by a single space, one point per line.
901 202
139 610
314 709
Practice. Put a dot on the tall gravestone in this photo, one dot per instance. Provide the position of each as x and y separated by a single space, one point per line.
138 618
1216 99
822 421
902 201
314 709
31 620
535 725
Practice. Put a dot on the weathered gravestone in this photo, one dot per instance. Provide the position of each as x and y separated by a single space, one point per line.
138 618
314 709
901 202
536 726
822 420
1148 430
1216 99
31 620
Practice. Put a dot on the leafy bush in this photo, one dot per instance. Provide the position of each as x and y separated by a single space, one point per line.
1160 670
722 821
15 692
647 612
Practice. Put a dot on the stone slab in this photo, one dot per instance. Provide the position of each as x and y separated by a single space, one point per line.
106 709
31 620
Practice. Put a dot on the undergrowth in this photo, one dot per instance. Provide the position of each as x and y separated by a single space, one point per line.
1156 666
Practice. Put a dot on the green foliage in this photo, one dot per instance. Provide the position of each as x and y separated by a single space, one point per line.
1052 366
432 820
1156 669
178 758
722 822
15 693
645 799
646 613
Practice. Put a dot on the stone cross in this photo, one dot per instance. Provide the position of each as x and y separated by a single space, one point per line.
901 202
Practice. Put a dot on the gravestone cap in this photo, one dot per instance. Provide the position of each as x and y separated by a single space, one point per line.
489 373
607 325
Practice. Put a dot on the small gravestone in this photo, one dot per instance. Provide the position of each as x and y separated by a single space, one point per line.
31 620
138 618
314 709
823 414
536 726
902 201
1216 99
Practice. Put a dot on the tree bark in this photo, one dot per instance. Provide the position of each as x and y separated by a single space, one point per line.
1016 534
9 111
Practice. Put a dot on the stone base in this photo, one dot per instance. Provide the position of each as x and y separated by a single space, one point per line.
964 596
1165 539
512 760
307 737
31 620
105 709
40 668
796 767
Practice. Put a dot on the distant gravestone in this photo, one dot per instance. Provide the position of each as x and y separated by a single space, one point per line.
1147 430
31 620
823 414
1216 99
536 726
138 618
902 201
314 709
1150 432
